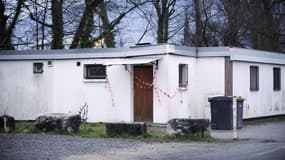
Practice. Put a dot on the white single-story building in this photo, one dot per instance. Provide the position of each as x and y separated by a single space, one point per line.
149 83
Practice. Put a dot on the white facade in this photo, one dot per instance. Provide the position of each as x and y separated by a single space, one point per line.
265 101
62 87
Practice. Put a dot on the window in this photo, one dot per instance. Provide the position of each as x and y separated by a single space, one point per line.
183 75
276 79
94 71
50 63
38 67
254 78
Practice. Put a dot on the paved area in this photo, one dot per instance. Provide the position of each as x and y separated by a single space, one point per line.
54 147
271 131
261 142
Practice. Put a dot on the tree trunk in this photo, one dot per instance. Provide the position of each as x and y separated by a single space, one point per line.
6 28
198 24
43 26
186 34
164 11
108 34
57 24
85 41
82 24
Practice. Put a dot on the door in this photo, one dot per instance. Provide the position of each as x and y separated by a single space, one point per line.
143 94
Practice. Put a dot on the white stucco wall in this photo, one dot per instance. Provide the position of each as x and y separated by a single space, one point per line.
205 79
62 88
265 101
210 83
167 80
72 91
22 93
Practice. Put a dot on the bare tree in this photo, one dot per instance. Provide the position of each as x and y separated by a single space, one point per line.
86 37
89 9
187 35
264 24
8 23
198 24
165 10
203 27
233 11
57 24
38 12
109 27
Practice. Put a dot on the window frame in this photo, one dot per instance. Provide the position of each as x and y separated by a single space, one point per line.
183 75
254 81
37 70
87 76
276 78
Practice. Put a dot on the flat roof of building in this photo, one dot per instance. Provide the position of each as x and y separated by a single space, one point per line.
235 54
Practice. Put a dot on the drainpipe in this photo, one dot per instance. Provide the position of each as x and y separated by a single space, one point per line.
196 50
235 118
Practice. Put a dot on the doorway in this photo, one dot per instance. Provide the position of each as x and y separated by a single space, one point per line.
143 94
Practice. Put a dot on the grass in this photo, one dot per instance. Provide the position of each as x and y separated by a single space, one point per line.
91 130
98 130
154 133
25 127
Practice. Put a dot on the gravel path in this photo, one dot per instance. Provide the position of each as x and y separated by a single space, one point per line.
53 147
261 142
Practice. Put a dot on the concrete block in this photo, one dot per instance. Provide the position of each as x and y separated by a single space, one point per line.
58 122
7 123
136 128
187 127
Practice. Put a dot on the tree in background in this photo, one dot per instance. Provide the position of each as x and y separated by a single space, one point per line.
264 24
84 28
201 17
57 24
187 39
233 12
109 26
238 23
37 11
165 10
8 22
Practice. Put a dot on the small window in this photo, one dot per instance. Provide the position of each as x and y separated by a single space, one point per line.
276 79
50 63
78 63
38 67
94 71
183 75
254 78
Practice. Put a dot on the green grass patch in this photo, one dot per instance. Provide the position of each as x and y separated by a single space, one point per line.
154 133
91 130
98 130
25 127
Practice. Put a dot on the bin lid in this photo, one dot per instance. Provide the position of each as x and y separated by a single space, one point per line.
221 98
